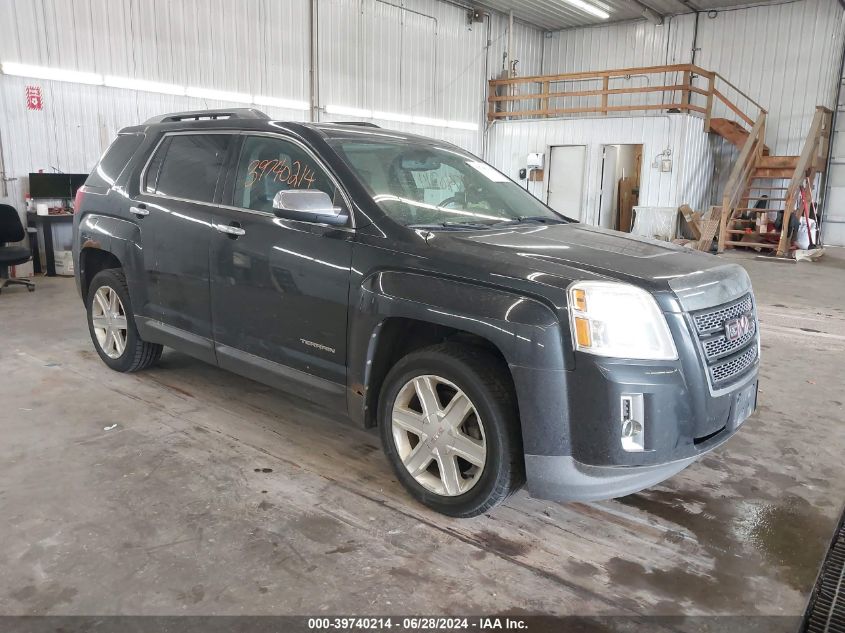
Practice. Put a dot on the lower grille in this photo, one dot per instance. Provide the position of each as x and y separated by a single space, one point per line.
826 613
723 372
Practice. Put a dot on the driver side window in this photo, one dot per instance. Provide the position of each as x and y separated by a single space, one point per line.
268 165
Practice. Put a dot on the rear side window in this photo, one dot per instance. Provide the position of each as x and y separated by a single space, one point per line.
114 161
187 166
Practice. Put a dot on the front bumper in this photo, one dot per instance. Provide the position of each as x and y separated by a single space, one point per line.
572 427
562 478
565 478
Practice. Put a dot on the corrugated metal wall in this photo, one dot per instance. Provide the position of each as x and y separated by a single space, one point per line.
784 56
622 45
412 57
681 134
221 44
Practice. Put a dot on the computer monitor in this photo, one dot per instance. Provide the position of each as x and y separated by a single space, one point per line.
76 181
62 186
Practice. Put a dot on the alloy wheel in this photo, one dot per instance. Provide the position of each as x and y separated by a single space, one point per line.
108 317
439 435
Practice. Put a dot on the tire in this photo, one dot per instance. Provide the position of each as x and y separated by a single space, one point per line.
492 427
134 354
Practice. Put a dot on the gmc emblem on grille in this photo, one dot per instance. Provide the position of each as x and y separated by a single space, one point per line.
737 328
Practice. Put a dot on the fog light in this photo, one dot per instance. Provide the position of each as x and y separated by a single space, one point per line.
633 422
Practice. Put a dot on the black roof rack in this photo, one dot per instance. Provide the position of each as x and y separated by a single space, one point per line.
202 115
356 123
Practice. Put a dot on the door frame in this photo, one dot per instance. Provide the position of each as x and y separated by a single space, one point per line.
639 172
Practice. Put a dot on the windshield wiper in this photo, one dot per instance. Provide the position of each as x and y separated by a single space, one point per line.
451 226
532 219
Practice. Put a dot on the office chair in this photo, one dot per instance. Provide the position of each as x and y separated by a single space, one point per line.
11 230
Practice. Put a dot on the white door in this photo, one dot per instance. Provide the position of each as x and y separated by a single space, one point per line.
566 180
607 196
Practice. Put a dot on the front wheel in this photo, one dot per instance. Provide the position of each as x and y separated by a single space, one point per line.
449 426
112 324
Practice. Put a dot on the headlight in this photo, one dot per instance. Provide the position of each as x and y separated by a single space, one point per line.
618 320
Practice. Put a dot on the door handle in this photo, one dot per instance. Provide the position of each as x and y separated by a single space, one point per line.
230 229
141 210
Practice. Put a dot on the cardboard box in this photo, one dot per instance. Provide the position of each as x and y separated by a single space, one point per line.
21 270
64 263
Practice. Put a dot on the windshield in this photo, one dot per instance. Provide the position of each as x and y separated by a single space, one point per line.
422 185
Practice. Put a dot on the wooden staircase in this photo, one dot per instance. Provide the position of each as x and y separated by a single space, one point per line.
763 184
733 132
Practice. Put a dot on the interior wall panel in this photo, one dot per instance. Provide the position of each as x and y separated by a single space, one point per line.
415 57
790 64
785 56
682 135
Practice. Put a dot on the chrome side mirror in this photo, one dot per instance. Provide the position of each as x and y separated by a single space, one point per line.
308 205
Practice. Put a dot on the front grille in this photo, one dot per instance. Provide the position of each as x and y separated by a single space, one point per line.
727 361
713 319
826 612
719 346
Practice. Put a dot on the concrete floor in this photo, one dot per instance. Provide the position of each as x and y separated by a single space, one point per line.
186 489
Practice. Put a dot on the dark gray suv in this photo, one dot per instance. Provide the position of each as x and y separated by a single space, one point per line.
408 284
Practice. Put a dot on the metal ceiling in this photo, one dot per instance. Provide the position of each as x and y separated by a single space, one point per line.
555 15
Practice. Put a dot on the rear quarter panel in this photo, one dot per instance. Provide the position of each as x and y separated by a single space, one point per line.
119 237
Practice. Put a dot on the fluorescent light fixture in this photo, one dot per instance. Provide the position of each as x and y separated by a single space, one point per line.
589 8
424 120
290 104
462 125
53 74
391 116
218 95
348 111
128 83
400 118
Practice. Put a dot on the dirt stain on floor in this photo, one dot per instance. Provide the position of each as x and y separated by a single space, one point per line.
492 542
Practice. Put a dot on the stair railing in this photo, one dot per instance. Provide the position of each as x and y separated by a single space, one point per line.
621 91
741 174
812 160
719 87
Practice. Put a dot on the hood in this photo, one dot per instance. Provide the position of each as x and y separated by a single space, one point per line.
566 251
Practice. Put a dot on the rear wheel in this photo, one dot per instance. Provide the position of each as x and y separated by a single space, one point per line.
449 425
112 324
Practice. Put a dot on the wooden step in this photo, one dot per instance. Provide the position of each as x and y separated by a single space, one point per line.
751 244
770 173
732 132
778 162
743 232
756 188
763 198
756 209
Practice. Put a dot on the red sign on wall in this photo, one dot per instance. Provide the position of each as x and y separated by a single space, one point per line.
33 98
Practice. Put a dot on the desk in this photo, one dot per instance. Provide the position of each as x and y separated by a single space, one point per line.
45 223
